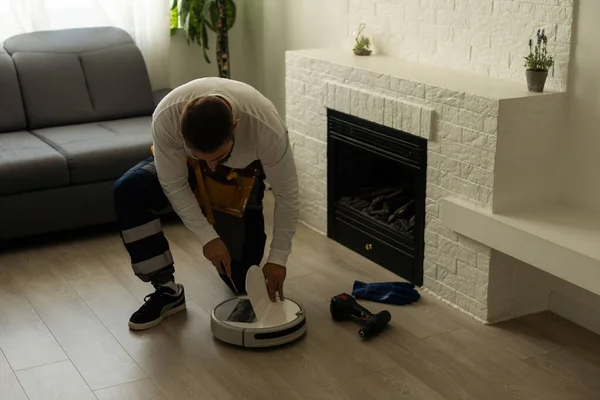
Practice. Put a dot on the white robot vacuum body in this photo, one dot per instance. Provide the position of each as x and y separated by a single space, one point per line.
254 320
234 321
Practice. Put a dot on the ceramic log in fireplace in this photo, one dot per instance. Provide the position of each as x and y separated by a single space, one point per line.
376 192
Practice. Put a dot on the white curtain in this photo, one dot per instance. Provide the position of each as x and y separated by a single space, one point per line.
147 21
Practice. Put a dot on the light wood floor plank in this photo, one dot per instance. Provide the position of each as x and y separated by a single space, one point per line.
294 369
430 350
165 358
314 292
55 381
477 344
140 390
10 388
93 350
514 340
24 338
565 334
503 375
571 369
443 372
393 384
235 367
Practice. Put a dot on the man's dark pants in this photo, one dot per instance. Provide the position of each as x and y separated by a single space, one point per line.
139 199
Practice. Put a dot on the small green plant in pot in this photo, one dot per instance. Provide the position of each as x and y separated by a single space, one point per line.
538 62
362 47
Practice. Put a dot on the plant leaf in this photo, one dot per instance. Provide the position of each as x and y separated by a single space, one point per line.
230 12
185 10
205 36
174 22
205 8
186 27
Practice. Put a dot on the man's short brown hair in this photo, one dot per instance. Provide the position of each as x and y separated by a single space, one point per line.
207 124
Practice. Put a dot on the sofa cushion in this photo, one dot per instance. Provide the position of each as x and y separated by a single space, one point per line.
117 81
28 163
12 115
55 94
101 151
80 75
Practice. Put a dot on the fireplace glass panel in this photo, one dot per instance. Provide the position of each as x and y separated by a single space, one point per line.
376 193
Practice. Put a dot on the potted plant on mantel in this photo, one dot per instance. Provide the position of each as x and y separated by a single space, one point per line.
538 62
362 43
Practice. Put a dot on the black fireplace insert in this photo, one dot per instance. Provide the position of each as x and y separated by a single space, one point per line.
376 192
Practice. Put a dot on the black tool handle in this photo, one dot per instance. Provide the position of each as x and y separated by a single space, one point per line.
363 312
375 324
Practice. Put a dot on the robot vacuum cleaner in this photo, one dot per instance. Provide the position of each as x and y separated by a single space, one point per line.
254 320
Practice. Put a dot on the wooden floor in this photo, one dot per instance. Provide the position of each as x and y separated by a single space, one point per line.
65 303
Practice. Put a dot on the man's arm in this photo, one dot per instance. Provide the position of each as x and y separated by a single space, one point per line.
280 169
171 166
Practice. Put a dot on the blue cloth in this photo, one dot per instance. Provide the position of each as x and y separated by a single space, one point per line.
398 293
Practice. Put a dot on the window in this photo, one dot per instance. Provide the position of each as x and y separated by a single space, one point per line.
69 4
19 16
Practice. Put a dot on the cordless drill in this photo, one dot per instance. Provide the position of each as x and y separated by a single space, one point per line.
345 307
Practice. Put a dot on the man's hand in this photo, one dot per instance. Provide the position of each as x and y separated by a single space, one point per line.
217 253
275 275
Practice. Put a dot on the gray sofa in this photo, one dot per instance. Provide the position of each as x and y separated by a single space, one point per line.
75 114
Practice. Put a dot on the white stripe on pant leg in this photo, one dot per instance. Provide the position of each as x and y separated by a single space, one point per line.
153 264
143 231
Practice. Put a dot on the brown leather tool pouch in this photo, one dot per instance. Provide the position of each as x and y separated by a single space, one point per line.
226 189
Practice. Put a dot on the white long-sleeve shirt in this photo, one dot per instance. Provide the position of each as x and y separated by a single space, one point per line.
260 135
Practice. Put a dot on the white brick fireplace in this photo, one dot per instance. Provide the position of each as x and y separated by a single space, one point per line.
491 145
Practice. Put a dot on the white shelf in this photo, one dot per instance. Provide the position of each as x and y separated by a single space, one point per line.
460 81
560 240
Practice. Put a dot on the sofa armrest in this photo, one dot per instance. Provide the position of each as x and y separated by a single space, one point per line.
160 94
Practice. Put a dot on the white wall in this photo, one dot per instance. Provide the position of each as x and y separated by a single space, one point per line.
484 36
580 165
581 180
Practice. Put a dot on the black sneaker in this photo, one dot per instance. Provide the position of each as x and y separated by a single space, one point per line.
158 305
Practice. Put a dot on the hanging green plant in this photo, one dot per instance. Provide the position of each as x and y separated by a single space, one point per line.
196 17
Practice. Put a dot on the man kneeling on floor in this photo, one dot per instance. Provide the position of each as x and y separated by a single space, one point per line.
221 122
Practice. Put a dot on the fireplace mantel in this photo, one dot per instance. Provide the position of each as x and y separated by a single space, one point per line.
393 67
491 144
